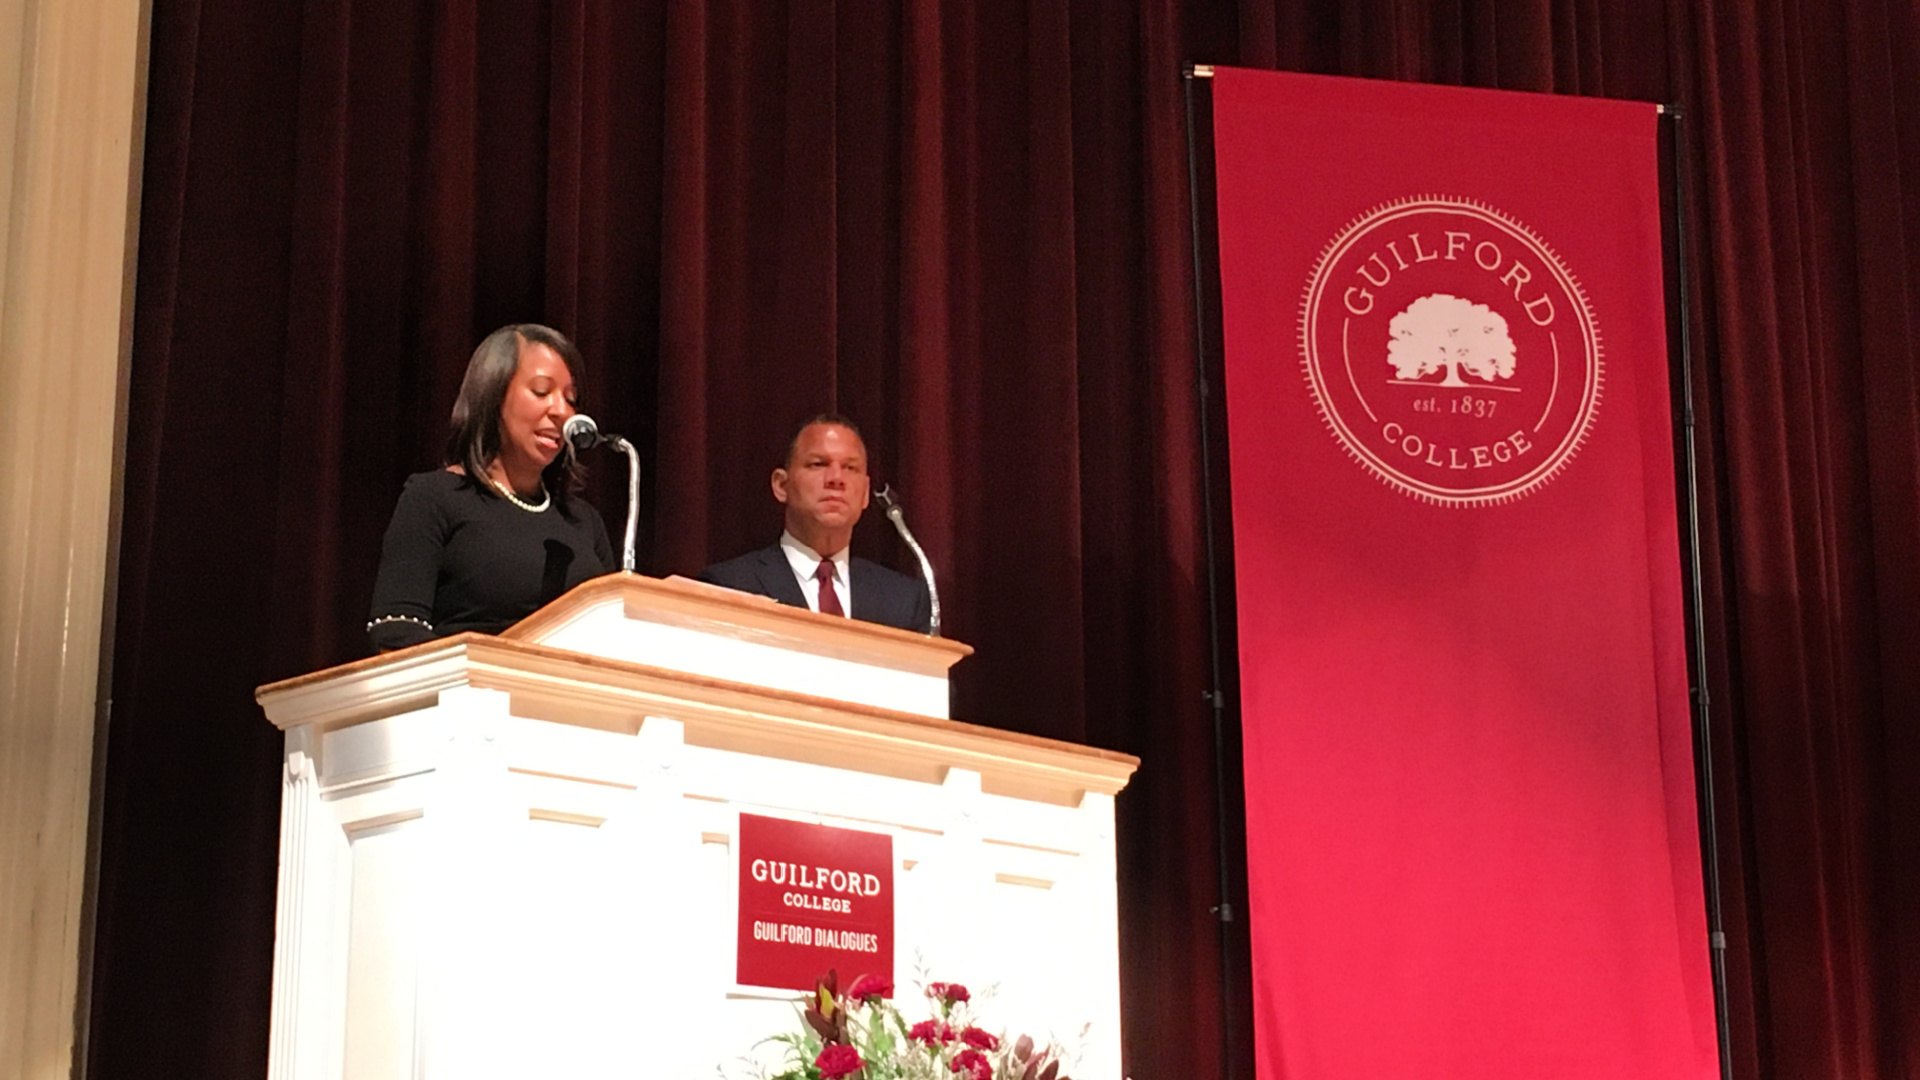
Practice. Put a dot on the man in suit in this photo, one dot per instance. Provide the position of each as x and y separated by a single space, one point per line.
824 488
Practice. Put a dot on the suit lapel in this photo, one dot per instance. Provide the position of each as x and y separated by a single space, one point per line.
776 576
868 603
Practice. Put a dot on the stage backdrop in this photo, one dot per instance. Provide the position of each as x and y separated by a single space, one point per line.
1472 848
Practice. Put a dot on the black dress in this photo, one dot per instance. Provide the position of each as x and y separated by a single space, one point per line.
458 556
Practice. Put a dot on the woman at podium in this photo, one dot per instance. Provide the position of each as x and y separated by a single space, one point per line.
501 528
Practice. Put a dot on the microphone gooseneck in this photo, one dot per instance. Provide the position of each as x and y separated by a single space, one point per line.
583 434
898 515
633 498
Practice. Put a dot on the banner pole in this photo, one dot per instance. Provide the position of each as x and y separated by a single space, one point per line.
1696 610
1216 695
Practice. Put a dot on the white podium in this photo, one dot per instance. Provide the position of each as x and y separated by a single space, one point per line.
515 856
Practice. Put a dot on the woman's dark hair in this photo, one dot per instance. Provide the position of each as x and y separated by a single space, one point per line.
474 440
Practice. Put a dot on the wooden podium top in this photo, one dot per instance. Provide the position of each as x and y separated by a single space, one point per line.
741 711
744 616
705 630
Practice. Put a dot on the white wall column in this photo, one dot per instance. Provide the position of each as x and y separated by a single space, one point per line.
72 89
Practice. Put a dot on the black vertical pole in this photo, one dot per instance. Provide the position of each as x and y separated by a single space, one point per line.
1216 696
1696 616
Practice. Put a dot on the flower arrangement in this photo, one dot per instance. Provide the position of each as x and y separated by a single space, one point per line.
861 1035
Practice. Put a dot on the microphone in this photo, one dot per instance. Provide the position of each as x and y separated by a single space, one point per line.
898 515
581 432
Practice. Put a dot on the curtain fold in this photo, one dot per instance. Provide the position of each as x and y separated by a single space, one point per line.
1805 142
966 225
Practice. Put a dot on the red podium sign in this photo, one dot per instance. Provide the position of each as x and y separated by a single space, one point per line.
813 897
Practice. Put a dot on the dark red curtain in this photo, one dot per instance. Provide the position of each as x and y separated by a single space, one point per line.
965 225
1806 147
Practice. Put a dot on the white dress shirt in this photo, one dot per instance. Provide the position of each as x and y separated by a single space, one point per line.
806 563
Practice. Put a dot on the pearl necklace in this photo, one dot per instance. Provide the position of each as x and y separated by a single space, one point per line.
546 498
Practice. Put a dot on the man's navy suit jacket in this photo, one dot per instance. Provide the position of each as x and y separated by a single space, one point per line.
880 595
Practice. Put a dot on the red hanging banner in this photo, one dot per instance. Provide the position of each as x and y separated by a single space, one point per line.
1472 842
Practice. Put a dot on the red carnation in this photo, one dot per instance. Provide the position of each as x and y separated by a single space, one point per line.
951 993
931 1032
973 1065
837 1061
868 987
979 1040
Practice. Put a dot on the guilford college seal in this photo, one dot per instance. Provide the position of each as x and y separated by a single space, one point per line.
1450 351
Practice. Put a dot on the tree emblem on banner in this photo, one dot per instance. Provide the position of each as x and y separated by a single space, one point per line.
1450 351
